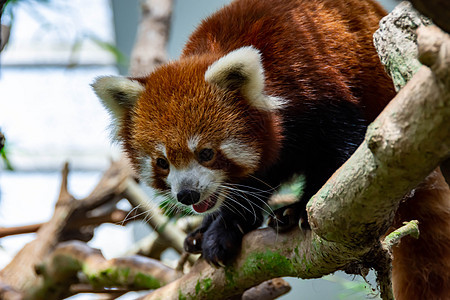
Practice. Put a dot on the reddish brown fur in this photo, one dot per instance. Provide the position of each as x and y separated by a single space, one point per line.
324 45
421 268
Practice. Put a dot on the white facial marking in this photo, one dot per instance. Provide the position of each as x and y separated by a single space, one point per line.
161 148
240 153
195 177
193 142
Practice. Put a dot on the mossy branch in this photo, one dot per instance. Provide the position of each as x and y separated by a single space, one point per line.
410 228
61 268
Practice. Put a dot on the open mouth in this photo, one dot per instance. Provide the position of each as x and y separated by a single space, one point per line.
206 204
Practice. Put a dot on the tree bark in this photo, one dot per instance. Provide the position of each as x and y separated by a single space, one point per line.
60 270
153 33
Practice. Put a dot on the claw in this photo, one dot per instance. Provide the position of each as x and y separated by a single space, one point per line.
240 228
288 211
301 222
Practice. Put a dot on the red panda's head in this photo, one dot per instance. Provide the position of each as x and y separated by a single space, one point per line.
196 126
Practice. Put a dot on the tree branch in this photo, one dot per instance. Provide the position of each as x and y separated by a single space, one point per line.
410 228
268 290
60 271
116 216
172 235
403 145
153 33
20 273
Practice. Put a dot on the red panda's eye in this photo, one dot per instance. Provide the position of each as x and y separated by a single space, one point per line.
162 163
206 155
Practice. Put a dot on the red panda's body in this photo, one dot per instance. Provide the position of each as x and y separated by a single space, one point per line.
263 90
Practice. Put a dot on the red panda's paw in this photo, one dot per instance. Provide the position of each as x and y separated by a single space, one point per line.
288 217
221 245
193 241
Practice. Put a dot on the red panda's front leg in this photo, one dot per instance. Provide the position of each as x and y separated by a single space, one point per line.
194 240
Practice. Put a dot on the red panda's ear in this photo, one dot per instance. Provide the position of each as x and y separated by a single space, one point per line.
242 70
118 95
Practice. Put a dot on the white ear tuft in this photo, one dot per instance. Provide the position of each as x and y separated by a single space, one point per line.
242 70
118 94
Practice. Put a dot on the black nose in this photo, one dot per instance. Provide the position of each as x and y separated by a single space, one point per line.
188 197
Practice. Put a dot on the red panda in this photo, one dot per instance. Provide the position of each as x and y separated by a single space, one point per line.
263 90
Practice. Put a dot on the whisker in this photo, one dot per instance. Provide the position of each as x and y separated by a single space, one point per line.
128 215
271 190
265 183
230 207
241 193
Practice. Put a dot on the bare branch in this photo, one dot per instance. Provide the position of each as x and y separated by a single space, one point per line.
8 293
117 216
268 290
19 273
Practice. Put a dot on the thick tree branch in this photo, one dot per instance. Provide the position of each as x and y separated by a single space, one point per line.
403 145
19 273
297 254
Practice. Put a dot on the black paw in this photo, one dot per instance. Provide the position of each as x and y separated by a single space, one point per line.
288 217
221 245
193 242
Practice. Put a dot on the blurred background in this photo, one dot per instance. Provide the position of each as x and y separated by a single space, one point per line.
49 115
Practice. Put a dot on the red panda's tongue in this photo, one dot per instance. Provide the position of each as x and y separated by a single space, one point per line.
205 204
201 207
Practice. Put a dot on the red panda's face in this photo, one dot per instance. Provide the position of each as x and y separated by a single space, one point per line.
194 129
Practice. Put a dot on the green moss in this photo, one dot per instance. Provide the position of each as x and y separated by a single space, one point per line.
146 281
122 277
229 276
197 287
203 286
207 283
268 262
181 296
